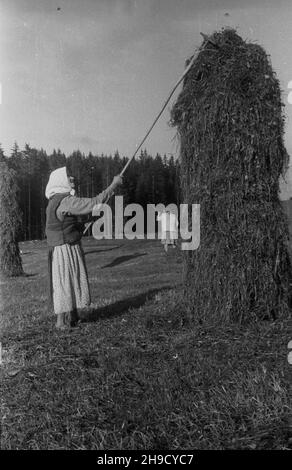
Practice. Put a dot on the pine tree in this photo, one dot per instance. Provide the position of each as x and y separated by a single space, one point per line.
2 156
10 223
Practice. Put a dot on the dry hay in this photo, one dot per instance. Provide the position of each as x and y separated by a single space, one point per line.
230 124
10 224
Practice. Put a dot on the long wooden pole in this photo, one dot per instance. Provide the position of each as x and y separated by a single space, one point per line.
165 104
163 108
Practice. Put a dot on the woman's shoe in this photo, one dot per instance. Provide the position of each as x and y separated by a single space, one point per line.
73 317
61 322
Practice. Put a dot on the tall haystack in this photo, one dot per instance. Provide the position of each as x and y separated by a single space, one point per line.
230 124
10 224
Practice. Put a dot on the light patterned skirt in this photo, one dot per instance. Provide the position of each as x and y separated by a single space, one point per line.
69 279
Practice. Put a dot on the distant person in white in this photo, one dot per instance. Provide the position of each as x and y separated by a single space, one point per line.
169 228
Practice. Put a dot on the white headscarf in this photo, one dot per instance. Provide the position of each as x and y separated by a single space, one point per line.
58 183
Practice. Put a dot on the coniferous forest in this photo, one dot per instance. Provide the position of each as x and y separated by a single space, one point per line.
149 179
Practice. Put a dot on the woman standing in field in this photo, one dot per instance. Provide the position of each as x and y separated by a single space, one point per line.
69 287
169 228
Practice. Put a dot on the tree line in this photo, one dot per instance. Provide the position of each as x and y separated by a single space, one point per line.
149 179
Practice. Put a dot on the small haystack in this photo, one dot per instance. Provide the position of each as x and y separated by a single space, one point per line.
230 123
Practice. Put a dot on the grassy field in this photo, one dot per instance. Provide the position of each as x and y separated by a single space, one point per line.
137 373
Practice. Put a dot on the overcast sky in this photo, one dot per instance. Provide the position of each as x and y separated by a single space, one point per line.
93 74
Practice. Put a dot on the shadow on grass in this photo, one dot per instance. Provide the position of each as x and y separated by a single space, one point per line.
123 259
7 279
101 251
120 307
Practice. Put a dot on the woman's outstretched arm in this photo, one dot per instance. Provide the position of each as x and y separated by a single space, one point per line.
84 205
